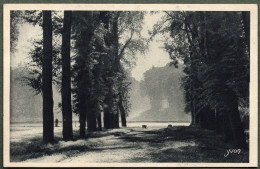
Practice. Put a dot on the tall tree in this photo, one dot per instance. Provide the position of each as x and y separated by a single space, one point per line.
84 31
48 133
213 56
125 41
66 78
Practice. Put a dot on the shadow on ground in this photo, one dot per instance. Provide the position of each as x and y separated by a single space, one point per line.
176 144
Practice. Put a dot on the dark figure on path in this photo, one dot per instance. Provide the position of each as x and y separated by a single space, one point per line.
56 122
144 126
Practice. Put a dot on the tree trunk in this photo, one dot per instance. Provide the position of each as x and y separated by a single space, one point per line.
106 118
82 122
48 121
219 123
193 116
210 119
122 112
235 122
193 113
116 120
227 128
99 122
66 78
202 121
246 22
92 123
108 110
84 81
91 118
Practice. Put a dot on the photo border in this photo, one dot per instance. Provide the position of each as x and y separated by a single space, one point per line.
253 81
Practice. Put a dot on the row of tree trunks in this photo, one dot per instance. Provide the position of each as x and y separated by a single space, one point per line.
84 82
230 124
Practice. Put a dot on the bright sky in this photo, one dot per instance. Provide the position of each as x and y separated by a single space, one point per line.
156 56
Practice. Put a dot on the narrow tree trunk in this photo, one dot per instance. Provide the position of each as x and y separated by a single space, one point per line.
48 121
193 116
99 122
202 119
106 118
66 78
193 113
246 22
116 120
122 112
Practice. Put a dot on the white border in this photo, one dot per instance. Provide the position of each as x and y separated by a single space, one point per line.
253 153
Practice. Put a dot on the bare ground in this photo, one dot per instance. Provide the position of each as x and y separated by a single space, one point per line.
133 145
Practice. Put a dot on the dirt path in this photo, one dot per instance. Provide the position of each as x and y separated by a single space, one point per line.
132 145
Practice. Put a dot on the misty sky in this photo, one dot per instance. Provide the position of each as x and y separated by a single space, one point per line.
154 57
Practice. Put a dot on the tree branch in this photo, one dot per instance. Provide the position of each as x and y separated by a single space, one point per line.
126 44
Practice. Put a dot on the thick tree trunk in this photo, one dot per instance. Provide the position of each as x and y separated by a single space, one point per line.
235 122
81 101
202 121
48 121
219 123
210 119
92 123
227 128
106 118
108 110
83 45
66 78
82 122
91 118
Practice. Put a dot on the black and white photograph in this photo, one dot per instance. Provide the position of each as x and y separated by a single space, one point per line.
130 85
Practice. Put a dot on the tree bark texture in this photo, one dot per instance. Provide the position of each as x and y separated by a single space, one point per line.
99 122
83 44
122 112
48 120
66 78
235 121
246 22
